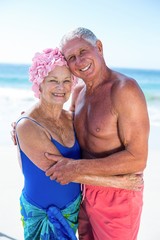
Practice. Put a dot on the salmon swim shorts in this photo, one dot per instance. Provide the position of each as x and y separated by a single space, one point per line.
108 213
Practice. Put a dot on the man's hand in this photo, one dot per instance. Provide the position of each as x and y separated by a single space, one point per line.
13 133
64 171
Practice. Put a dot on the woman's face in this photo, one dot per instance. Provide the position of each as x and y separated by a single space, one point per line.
56 87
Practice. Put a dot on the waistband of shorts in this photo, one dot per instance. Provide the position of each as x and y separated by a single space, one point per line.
93 187
85 187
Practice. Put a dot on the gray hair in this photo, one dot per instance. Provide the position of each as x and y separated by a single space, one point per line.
80 32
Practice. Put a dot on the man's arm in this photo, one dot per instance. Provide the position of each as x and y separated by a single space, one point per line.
133 127
65 171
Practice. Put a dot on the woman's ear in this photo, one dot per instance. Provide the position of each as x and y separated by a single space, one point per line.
40 89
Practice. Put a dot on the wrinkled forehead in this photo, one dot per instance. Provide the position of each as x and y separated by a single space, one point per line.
73 46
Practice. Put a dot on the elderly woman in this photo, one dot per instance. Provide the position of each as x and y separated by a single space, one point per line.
49 210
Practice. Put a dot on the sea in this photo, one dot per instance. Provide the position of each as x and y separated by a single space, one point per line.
16 95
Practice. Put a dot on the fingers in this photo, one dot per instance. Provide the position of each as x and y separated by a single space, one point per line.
13 124
13 137
50 171
55 173
56 166
58 178
53 157
54 177
13 133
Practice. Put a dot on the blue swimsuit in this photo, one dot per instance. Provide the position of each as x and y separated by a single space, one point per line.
41 192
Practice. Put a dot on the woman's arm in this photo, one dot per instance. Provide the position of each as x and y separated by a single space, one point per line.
34 142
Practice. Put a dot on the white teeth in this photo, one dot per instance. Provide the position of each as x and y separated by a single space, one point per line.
59 94
86 68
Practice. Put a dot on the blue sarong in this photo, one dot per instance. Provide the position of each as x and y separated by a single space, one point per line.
51 223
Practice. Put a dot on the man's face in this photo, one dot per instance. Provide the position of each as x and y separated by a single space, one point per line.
84 59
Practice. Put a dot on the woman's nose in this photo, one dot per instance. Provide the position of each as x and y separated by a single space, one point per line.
60 85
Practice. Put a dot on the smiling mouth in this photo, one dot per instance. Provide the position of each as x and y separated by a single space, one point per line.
59 94
85 69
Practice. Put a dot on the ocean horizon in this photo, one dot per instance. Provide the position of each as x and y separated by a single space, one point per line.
16 94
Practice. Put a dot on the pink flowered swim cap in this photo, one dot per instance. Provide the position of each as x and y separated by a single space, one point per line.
42 64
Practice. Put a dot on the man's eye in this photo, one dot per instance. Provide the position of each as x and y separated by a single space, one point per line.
82 51
71 58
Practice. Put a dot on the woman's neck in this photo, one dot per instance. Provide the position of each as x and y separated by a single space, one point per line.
48 111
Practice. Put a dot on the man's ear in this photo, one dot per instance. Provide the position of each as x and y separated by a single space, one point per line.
99 46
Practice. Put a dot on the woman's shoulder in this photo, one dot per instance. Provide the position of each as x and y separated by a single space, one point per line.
24 124
27 121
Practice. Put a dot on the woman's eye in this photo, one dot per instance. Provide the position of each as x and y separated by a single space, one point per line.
67 81
52 80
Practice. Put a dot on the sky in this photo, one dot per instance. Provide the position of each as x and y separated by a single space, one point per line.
128 29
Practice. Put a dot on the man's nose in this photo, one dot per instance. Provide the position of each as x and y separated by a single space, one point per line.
79 60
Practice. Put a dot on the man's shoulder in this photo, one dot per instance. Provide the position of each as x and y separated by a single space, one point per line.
123 82
80 85
123 87
75 94
78 88
68 114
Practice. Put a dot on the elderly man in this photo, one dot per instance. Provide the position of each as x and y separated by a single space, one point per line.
112 126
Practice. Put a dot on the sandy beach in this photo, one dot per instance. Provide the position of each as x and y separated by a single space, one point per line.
11 182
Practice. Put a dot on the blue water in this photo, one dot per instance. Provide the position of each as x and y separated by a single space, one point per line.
16 95
149 81
16 76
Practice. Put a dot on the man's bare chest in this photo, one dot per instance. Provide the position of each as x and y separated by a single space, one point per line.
96 118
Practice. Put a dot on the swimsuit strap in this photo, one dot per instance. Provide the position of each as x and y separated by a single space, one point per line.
52 139
33 120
